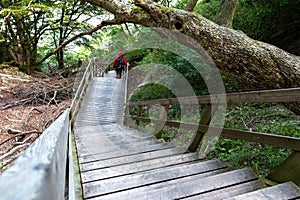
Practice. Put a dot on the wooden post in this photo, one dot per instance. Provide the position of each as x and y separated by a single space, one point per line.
138 114
289 170
163 113
205 120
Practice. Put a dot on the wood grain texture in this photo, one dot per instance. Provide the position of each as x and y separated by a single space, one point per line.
39 173
279 192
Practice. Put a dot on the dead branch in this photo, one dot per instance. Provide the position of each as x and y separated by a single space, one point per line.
53 99
14 150
13 120
10 131
20 134
28 114
12 104
20 143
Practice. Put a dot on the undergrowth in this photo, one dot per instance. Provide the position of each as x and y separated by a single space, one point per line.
266 118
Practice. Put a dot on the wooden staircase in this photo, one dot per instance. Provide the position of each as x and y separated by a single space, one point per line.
117 162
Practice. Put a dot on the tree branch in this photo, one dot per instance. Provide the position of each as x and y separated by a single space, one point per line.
98 27
20 134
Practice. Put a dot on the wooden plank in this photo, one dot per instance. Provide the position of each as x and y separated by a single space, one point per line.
93 145
77 100
163 113
124 152
105 173
282 191
75 191
109 130
263 138
122 183
282 141
279 95
189 188
229 191
165 184
205 120
116 136
130 159
39 173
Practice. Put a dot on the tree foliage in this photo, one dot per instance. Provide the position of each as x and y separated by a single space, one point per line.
27 24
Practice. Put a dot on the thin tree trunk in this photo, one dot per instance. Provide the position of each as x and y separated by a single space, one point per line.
225 14
191 5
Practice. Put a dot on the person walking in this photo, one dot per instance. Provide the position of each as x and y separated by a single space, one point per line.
119 64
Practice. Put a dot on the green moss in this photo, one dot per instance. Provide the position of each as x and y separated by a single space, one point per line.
136 10
165 9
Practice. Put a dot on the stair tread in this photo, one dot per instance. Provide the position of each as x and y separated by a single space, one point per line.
151 177
282 191
189 188
131 159
124 152
104 173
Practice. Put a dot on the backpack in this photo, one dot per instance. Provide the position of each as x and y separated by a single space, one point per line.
119 64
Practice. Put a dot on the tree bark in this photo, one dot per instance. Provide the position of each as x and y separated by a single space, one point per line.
225 14
253 64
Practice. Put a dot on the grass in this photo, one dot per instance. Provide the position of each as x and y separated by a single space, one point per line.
266 118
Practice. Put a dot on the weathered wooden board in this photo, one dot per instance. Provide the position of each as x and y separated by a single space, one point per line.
229 191
39 173
124 152
156 176
188 188
282 191
93 175
131 159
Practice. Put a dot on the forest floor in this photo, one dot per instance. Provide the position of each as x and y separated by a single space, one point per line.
28 105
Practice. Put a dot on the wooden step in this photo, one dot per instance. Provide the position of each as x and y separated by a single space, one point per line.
279 192
156 176
124 152
226 192
88 146
98 174
131 159
189 187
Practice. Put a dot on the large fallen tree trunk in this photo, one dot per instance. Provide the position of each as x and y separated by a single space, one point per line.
253 64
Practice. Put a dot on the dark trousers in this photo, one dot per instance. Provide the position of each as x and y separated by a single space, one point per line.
118 74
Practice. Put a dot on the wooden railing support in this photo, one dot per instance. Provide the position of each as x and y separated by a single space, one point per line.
205 120
163 113
289 170
138 113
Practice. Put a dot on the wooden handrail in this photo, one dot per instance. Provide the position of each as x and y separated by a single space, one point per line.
75 190
81 88
39 173
285 172
250 136
263 96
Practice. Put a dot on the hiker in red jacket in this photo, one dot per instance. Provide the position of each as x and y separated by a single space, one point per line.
119 64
